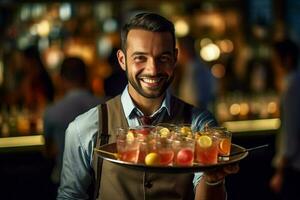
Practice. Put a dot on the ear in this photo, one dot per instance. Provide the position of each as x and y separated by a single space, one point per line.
121 59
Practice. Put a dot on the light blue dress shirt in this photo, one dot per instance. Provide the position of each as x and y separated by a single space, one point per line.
81 138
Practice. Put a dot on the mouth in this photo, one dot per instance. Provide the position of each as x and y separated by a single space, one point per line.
151 81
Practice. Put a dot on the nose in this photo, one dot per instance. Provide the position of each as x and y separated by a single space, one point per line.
152 67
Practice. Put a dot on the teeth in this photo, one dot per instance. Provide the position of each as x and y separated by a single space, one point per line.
148 80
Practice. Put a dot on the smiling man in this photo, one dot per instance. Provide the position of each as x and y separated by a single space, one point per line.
148 56
149 60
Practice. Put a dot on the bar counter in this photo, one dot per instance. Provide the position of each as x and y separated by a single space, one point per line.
238 127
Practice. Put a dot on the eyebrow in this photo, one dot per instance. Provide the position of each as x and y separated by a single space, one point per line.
138 53
143 53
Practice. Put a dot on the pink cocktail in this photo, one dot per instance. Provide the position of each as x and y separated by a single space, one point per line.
129 155
184 150
128 146
166 157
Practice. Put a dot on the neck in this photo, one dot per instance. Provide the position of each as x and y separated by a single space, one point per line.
147 105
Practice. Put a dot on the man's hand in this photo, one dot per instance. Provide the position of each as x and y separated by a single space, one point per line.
211 185
219 173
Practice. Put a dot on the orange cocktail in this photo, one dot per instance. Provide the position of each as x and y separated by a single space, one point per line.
224 142
206 149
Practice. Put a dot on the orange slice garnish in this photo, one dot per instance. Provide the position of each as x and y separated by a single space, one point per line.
224 146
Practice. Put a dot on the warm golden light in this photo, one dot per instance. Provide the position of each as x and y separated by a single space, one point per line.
218 70
235 109
205 41
210 52
53 57
181 28
226 45
272 107
43 28
252 125
22 141
244 109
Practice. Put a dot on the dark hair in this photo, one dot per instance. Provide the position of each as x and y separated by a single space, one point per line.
74 69
147 21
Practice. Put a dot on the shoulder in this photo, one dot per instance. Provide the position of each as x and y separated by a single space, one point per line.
57 107
52 111
84 128
202 117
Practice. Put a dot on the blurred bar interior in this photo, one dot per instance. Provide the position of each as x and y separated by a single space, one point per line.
233 37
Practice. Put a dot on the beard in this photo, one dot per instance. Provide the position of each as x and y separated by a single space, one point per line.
152 92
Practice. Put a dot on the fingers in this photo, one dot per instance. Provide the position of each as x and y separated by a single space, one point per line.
231 169
221 172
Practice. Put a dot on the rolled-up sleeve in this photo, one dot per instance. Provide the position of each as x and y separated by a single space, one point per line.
201 118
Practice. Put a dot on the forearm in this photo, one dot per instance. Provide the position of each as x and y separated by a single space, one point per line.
210 192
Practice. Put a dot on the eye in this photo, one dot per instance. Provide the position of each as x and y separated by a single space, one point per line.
139 58
165 59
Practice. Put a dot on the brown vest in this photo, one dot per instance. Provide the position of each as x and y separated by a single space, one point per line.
122 183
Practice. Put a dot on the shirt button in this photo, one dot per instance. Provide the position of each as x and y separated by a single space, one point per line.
148 184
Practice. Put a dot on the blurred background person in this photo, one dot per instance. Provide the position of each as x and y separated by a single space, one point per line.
287 159
196 84
37 89
76 100
259 74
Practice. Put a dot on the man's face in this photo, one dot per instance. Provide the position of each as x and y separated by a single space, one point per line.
149 62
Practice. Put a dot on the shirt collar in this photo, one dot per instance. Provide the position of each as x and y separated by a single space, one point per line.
131 110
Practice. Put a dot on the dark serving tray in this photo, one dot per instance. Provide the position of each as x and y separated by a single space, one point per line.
108 152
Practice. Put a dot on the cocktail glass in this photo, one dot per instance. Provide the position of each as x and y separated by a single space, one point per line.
165 151
148 144
143 131
224 142
166 130
128 146
184 151
184 130
206 149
